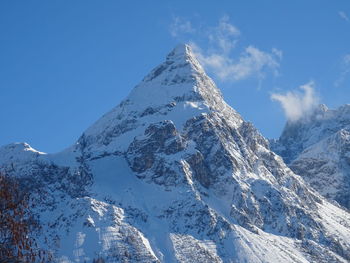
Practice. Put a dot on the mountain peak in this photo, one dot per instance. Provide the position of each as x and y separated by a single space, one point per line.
298 136
322 107
180 64
177 87
17 152
173 174
182 52
179 78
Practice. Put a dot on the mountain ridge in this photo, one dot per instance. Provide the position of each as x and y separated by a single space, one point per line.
317 148
179 178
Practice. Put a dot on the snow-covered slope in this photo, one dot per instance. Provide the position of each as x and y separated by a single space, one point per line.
318 149
173 174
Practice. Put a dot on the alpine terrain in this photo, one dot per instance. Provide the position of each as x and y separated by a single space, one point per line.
174 174
317 147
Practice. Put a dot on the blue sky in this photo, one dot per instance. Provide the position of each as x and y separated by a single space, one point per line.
63 64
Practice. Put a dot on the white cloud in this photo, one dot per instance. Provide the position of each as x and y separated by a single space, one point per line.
180 26
224 36
220 41
251 62
297 105
277 52
344 16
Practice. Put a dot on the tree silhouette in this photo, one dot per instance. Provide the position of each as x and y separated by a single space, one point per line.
17 223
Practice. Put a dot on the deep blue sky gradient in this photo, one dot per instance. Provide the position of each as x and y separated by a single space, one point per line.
64 63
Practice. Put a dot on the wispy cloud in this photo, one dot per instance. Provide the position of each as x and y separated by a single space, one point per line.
346 59
180 26
344 16
296 104
251 62
345 70
216 52
225 35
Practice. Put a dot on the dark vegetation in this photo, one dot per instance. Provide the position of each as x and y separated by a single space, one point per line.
18 225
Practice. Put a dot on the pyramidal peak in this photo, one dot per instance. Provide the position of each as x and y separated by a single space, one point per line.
173 174
181 60
181 75
178 90
183 55
180 52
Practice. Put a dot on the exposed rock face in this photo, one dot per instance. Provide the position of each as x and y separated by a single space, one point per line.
318 149
173 174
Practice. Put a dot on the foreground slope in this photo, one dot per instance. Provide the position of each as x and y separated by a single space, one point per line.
318 148
173 174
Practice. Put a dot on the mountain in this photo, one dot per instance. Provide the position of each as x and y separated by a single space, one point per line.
174 174
317 147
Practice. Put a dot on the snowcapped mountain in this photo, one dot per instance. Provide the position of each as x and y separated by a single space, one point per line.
174 174
318 149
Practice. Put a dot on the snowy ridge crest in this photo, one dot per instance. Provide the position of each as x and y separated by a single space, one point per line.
182 90
317 148
179 179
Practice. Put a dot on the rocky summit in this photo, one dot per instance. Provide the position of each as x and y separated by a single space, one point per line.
317 147
174 174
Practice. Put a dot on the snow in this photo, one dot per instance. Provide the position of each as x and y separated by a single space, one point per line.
335 220
18 152
228 198
317 149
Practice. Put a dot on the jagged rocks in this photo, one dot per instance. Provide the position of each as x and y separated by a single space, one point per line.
174 174
147 153
317 148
